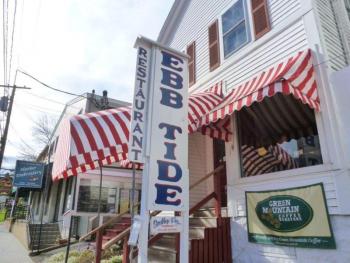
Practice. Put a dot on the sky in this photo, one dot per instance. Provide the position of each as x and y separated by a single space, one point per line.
77 46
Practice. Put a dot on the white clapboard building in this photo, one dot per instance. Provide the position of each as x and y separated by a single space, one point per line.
280 124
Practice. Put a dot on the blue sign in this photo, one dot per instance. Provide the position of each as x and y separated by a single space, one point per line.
28 174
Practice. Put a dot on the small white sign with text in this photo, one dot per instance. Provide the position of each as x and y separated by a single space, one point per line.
166 224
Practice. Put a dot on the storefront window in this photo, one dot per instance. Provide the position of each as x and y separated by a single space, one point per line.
279 133
115 196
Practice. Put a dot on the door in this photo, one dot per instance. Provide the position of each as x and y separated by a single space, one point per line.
58 200
219 158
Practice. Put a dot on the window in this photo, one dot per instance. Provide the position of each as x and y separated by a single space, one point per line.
234 28
214 48
115 196
67 199
191 51
277 134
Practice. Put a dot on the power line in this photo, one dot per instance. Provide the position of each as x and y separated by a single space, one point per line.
37 108
12 39
52 88
41 97
4 40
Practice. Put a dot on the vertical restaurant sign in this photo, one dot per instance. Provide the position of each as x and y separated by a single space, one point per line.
168 167
290 217
138 116
166 141
28 174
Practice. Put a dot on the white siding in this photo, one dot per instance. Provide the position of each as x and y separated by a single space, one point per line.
199 165
237 193
330 35
194 27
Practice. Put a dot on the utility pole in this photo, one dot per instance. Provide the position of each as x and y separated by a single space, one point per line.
4 137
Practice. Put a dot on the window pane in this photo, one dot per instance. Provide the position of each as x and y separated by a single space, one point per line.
277 134
232 16
235 39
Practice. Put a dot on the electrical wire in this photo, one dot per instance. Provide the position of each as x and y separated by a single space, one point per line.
37 108
44 98
12 40
52 88
4 40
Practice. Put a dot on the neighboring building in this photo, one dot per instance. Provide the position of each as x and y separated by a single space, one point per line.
232 41
115 187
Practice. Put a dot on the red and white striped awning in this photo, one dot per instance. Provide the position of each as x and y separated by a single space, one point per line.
89 140
295 76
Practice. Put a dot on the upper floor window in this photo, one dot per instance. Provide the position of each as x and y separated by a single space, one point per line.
235 24
234 28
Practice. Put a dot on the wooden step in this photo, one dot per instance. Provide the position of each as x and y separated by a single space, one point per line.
209 212
203 221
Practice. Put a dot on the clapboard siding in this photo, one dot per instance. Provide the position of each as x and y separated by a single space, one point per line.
287 43
331 34
198 167
200 14
327 180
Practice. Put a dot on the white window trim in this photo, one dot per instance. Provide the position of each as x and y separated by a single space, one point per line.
234 168
248 22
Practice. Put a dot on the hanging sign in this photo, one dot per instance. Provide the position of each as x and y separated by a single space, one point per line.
28 174
290 217
138 117
166 224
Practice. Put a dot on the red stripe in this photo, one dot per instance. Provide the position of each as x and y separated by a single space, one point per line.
307 78
112 129
125 128
99 129
76 138
301 68
87 132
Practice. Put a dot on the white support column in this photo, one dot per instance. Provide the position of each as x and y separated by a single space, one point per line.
144 213
184 235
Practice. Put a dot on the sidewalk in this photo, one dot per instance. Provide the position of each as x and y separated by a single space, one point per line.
11 250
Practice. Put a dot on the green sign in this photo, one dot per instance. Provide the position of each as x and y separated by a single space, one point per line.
290 217
28 174
284 213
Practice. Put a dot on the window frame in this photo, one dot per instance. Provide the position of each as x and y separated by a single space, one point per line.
248 21
235 158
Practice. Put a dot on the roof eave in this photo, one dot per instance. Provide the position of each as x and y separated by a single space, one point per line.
171 20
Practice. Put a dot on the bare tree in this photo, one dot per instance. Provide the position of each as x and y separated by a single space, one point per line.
41 132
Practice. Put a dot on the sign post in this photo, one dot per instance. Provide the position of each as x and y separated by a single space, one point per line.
159 137
27 175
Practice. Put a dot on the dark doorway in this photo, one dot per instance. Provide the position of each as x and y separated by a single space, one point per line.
219 158
58 200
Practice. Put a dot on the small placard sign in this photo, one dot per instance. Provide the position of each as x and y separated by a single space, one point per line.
166 224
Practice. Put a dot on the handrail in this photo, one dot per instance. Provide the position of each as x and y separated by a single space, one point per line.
116 238
214 172
202 202
154 213
109 221
124 233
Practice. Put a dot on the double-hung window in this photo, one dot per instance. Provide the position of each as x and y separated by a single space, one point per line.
234 28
